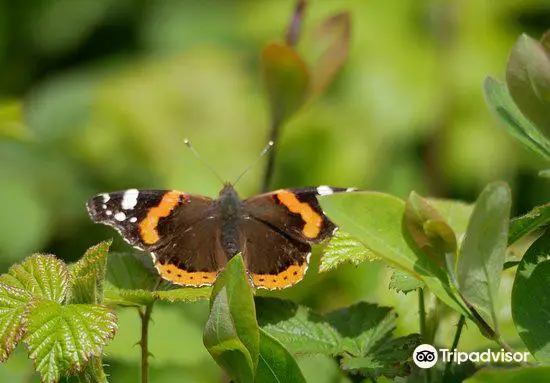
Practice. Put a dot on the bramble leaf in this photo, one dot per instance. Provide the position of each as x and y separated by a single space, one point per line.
520 226
403 282
88 275
341 248
13 301
62 339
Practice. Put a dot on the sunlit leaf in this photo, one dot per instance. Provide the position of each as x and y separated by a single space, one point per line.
376 220
62 339
484 249
88 275
341 248
13 302
403 282
505 110
530 303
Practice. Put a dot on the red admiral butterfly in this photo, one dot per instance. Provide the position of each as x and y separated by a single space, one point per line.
191 237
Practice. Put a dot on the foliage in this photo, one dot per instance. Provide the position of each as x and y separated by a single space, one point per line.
455 257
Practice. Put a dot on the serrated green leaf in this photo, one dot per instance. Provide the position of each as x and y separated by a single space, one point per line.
275 363
125 297
360 331
298 328
13 302
484 249
189 294
511 375
391 358
88 275
286 80
530 303
516 124
42 276
341 248
403 282
537 218
376 220
93 372
362 326
62 339
331 41
231 334
528 80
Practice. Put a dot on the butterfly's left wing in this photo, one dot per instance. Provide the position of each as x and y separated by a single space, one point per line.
178 229
285 222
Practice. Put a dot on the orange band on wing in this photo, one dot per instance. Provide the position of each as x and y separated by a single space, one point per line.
313 221
292 275
179 276
148 226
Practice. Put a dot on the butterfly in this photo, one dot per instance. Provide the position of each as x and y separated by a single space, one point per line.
192 237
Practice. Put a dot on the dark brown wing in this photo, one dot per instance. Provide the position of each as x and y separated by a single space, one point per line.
181 231
278 232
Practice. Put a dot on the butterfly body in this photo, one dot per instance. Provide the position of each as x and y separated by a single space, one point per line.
191 237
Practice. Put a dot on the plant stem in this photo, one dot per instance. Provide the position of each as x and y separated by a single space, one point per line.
458 332
422 313
144 342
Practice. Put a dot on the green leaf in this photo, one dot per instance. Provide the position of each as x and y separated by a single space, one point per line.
391 358
13 301
531 375
286 80
341 248
430 232
331 41
42 276
275 363
358 333
456 213
537 218
299 329
231 334
93 372
376 220
528 80
484 249
402 282
88 275
505 110
530 303
133 281
62 339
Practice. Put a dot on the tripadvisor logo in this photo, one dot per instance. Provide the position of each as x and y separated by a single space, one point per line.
426 356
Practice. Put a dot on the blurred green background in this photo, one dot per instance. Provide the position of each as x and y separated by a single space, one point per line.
98 95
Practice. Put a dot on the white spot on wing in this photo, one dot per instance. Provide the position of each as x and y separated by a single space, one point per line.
324 190
106 197
129 199
351 189
104 206
133 219
108 212
120 216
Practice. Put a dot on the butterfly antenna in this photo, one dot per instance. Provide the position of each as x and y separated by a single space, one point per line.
188 143
266 149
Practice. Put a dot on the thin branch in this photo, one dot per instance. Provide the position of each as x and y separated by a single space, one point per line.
145 316
422 313
456 339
